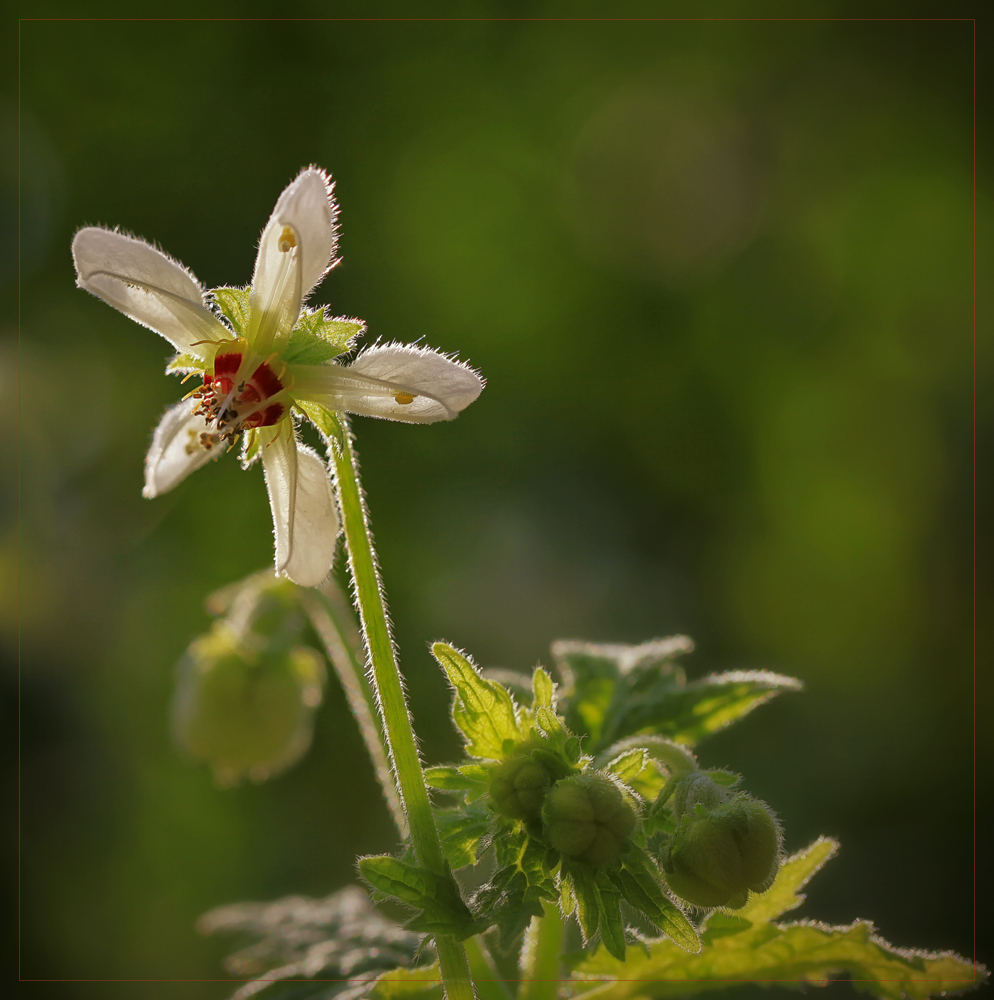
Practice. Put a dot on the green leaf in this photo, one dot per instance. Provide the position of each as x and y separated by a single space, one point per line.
597 682
587 909
482 709
461 831
456 779
543 689
234 304
436 897
703 707
548 720
628 766
745 947
641 883
612 926
408 984
794 875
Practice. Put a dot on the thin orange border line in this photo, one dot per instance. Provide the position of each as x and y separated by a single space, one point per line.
20 20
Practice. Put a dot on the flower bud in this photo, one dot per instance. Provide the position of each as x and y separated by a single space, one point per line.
718 854
246 711
586 818
518 785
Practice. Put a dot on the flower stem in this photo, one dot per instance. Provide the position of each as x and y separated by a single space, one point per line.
543 945
324 607
388 687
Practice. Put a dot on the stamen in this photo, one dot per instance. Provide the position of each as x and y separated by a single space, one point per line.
404 398
288 239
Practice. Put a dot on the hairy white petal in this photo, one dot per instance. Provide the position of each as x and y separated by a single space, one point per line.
315 522
148 286
168 461
382 381
308 208
279 462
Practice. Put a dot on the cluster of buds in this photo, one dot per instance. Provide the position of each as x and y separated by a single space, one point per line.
725 844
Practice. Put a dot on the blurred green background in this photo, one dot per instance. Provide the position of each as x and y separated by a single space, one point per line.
719 278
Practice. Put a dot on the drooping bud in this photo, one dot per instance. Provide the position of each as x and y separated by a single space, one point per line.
586 818
247 690
719 853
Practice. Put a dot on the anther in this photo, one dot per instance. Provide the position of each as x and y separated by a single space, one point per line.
288 239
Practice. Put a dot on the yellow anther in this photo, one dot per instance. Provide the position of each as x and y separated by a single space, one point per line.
404 398
288 239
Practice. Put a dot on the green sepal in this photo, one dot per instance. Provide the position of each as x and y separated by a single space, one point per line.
457 779
482 709
234 304
326 421
629 765
251 448
317 338
185 363
543 689
436 897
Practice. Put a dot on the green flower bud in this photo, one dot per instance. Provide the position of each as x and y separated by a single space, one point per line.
518 785
246 711
718 854
586 818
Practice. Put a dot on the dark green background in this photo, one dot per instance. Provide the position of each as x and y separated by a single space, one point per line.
719 276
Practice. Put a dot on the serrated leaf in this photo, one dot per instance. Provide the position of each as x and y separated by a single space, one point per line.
804 954
641 884
456 779
461 831
587 910
794 874
704 706
482 709
629 765
543 689
744 947
408 984
612 926
234 304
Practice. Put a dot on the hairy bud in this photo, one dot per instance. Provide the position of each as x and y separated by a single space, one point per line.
519 784
248 712
586 818
719 853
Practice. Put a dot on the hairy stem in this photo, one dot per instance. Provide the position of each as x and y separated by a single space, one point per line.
388 688
324 607
540 954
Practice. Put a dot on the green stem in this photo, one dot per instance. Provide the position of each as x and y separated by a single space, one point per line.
543 946
389 690
331 622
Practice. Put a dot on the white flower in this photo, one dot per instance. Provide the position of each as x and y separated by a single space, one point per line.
263 356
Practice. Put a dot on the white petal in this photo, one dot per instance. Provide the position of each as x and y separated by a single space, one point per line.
303 505
382 381
169 461
146 285
283 279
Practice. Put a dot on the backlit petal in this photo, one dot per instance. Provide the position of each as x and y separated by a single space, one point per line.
169 461
396 382
303 505
282 279
148 286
